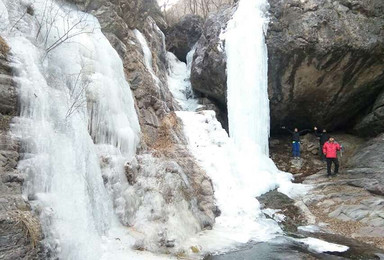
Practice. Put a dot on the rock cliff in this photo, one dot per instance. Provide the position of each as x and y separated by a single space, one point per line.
182 36
183 182
162 135
325 63
19 228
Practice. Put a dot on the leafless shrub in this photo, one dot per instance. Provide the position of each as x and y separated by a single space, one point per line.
77 97
29 223
58 14
173 12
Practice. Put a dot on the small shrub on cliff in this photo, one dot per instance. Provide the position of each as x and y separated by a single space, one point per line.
4 48
29 224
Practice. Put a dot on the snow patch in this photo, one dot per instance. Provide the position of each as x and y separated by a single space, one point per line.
320 246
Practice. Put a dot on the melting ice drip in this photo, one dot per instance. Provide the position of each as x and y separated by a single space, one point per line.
76 109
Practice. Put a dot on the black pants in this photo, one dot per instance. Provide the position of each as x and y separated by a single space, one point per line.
329 165
322 155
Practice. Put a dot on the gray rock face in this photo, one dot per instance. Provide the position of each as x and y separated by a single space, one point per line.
208 74
181 37
15 214
117 15
369 155
373 123
153 98
325 62
365 167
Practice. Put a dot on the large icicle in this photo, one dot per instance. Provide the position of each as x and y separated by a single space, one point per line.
247 79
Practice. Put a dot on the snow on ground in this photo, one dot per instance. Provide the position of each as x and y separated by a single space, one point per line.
320 246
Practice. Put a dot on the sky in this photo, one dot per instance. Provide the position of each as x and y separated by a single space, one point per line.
170 2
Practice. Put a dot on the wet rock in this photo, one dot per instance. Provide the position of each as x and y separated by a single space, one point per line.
181 37
293 216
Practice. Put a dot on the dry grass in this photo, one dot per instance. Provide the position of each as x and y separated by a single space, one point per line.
169 125
4 48
29 223
4 122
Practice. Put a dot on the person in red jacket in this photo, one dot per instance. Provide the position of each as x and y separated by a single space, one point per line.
330 149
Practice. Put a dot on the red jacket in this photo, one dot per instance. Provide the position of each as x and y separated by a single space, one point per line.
330 149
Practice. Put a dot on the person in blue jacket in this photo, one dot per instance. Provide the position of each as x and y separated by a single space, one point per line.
296 140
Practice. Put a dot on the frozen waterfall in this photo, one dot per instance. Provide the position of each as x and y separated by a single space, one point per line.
77 127
247 78
239 165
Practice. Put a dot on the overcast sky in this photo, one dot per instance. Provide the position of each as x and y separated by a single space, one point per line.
171 2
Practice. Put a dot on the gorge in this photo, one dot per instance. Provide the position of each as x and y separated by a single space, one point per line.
110 147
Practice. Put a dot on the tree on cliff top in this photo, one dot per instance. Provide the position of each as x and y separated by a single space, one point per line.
173 10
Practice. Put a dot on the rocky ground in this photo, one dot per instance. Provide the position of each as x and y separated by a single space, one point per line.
350 204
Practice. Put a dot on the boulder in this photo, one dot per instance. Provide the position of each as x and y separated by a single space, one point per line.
365 166
182 36
325 62
282 204
369 155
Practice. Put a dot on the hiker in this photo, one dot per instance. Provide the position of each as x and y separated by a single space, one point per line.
296 140
323 138
330 149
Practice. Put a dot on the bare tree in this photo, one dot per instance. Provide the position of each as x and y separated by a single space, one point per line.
55 12
198 7
78 85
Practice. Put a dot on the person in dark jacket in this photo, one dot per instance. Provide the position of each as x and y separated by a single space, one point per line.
296 140
330 149
323 137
